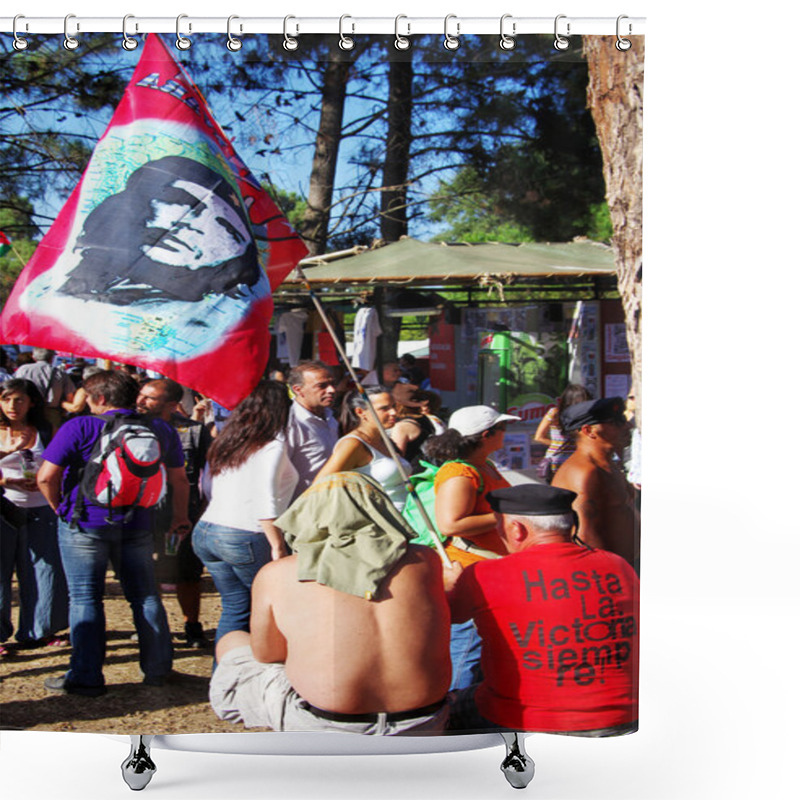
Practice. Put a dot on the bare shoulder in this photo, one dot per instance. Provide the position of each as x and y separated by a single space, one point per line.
351 449
274 574
423 555
419 563
579 474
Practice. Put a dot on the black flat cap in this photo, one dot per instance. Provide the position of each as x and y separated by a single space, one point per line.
531 500
592 412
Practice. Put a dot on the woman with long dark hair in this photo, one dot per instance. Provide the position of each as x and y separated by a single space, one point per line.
462 512
29 538
559 446
250 481
362 449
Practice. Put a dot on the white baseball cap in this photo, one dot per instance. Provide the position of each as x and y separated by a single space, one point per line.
475 419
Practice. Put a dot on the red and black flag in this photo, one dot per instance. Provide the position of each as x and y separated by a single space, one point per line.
167 251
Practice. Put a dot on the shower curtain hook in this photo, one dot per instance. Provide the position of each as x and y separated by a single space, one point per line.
622 44
346 42
70 42
233 44
289 43
451 42
507 42
561 42
19 43
401 42
182 43
128 43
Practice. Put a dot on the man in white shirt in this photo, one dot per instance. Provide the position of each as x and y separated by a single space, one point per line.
312 430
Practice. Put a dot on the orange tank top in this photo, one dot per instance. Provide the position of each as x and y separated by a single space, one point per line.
491 480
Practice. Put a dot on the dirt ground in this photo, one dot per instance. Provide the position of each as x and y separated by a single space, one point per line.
181 706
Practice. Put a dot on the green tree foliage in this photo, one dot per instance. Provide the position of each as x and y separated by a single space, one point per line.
15 222
501 141
291 204
49 109
534 168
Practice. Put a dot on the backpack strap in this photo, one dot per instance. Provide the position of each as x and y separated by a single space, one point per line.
80 500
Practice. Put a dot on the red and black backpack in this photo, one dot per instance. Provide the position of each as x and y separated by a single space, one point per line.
125 469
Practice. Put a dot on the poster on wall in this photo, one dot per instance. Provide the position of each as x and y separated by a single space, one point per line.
616 343
442 356
584 347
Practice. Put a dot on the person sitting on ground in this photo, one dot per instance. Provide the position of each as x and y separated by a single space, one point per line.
559 622
350 633
362 449
606 501
559 446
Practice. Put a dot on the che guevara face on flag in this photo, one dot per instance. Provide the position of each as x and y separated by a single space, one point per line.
187 236
166 252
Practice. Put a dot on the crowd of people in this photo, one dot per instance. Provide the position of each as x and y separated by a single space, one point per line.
335 616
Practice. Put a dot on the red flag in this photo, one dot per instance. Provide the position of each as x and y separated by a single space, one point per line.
166 253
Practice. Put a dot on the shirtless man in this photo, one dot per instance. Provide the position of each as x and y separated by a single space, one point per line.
608 519
369 656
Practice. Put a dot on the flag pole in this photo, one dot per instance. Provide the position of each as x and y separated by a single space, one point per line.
384 436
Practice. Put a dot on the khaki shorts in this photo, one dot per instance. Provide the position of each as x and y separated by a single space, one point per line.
260 696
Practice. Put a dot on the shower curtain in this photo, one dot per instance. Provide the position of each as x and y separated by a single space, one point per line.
155 201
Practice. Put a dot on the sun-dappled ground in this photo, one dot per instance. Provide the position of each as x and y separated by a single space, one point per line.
181 706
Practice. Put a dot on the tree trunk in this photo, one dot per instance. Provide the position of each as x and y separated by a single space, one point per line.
394 216
314 226
615 93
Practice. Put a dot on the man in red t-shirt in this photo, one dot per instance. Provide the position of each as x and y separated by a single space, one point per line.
559 623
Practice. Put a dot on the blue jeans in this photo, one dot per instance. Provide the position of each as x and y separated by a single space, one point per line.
85 555
32 550
232 557
465 655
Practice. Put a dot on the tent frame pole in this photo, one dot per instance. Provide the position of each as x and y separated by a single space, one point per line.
384 436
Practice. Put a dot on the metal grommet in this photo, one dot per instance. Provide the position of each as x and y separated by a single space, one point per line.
233 44
401 42
451 42
19 43
507 42
70 42
622 44
182 43
127 42
561 42
346 42
289 43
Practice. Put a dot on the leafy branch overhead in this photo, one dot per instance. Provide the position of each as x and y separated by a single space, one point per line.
478 144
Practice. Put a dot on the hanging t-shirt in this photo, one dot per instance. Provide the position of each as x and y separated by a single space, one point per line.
324 347
291 327
366 330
